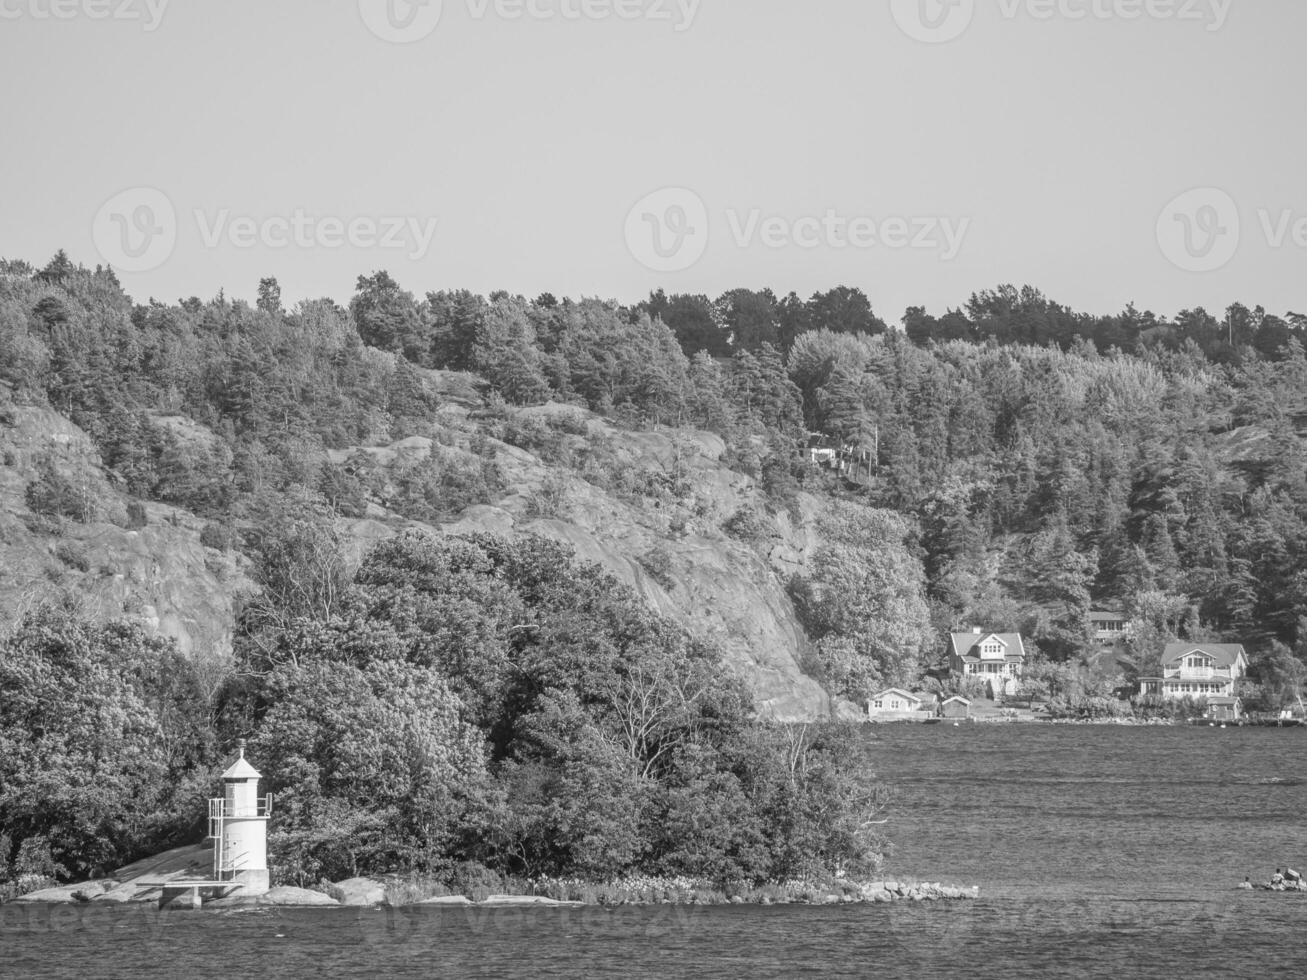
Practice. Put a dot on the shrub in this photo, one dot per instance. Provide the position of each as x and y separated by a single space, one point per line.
220 537
658 563
55 495
745 525
550 501
137 517
410 891
53 525
73 555
444 485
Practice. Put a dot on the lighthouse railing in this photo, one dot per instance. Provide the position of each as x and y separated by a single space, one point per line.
220 809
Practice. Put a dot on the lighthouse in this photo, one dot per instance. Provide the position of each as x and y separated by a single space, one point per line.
238 826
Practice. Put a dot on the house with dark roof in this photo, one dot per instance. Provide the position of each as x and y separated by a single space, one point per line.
1109 627
1197 670
997 658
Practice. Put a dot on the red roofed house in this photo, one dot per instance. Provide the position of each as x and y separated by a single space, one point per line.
999 658
1197 670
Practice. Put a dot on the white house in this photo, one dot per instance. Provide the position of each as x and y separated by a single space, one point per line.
1197 670
893 703
999 658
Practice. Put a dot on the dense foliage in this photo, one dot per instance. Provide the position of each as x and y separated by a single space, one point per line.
1012 465
104 745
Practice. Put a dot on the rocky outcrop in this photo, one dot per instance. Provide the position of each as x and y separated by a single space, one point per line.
533 900
891 891
293 898
150 567
69 894
359 892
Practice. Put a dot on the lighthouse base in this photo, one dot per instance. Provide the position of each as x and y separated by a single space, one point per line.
250 882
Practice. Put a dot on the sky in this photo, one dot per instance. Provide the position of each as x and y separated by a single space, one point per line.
1104 151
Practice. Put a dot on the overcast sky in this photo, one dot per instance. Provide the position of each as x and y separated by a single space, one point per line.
918 149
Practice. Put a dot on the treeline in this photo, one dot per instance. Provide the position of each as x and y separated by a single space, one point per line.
1035 480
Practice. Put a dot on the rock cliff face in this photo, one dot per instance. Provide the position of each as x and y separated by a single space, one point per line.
674 553
151 567
649 507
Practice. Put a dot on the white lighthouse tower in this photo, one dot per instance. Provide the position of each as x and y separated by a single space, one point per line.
238 825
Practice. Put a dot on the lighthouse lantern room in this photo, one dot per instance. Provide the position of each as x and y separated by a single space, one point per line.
238 826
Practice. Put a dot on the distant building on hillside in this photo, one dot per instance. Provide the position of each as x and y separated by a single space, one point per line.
997 658
1109 627
1197 670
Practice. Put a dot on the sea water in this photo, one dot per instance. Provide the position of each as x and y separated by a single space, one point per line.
1099 852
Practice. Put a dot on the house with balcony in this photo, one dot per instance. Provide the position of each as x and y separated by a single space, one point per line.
1109 627
996 658
1197 670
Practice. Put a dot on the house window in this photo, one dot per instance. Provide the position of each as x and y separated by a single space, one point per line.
880 704
992 650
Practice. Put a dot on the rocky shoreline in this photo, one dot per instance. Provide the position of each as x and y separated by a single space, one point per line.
373 893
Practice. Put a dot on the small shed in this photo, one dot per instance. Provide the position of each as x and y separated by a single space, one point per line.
956 707
1224 709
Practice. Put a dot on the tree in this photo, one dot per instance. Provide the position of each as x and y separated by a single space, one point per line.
97 737
298 563
749 318
844 310
372 766
387 317
693 320
1280 675
863 602
270 296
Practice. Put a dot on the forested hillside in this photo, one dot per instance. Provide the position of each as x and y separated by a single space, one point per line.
565 551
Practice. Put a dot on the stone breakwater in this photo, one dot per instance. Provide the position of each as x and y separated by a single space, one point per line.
363 892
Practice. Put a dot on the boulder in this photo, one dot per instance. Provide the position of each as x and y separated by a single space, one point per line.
359 892
447 900
67 894
295 898
524 900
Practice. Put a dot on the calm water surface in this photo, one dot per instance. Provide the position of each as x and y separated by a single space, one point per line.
1099 852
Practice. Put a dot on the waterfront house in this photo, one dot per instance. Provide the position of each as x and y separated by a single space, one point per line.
956 707
893 704
1197 670
1109 627
1224 709
998 658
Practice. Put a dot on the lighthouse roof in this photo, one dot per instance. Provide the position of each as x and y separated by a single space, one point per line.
241 769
